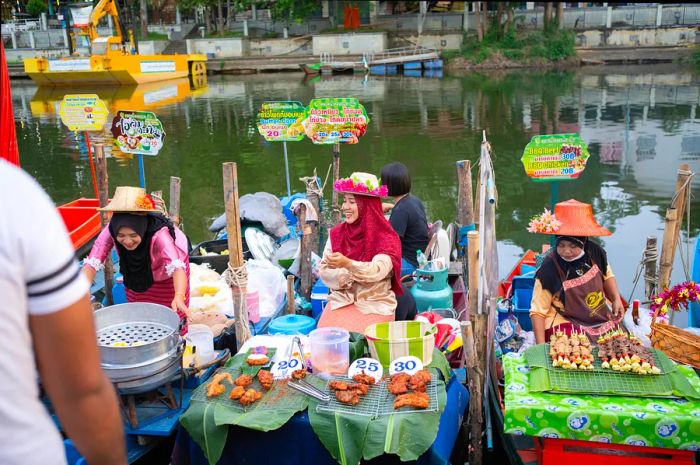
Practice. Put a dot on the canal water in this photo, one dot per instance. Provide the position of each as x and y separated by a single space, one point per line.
640 124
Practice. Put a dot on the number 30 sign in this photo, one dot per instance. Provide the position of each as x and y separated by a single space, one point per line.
409 365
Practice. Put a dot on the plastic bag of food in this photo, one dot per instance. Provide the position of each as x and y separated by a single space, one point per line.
642 328
269 281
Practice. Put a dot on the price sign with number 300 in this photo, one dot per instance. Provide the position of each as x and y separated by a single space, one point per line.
368 366
409 365
284 368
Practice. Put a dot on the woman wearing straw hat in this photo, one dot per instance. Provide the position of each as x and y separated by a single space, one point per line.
362 259
575 279
152 251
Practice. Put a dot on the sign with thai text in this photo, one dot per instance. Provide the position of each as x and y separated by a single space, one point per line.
335 120
139 132
83 112
72 64
281 121
557 157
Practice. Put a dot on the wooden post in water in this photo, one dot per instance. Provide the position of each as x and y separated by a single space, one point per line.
674 221
473 270
239 274
313 195
336 175
309 236
174 199
465 203
291 307
650 277
103 196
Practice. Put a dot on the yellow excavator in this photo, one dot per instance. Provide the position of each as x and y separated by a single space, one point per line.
111 62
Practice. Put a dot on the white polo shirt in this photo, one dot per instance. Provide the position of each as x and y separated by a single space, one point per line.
38 275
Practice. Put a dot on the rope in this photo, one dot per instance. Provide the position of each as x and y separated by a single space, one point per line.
312 186
236 277
649 255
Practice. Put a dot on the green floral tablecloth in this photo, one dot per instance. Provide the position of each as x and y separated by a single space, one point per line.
669 423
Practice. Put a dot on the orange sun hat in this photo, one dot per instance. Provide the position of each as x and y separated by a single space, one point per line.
570 218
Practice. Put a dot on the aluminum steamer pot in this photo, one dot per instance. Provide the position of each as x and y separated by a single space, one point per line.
138 368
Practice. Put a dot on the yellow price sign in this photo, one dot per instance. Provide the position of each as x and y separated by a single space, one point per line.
83 112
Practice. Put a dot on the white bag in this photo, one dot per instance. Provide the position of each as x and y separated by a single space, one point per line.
641 330
269 281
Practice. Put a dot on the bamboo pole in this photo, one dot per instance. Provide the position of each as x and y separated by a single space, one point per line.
473 267
291 308
103 196
476 386
470 359
666 262
650 258
336 175
670 244
309 234
235 257
313 196
174 199
465 202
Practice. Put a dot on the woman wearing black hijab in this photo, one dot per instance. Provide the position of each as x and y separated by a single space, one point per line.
152 251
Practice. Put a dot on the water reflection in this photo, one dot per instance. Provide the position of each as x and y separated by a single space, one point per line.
640 124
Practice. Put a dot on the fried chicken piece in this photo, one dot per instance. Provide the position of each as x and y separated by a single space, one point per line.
244 380
215 388
299 374
257 360
338 385
399 383
363 378
250 396
237 393
420 380
266 379
419 400
359 388
347 397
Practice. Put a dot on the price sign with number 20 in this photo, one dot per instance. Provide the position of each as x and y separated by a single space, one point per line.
368 366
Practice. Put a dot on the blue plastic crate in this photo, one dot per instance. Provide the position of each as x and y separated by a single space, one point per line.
521 307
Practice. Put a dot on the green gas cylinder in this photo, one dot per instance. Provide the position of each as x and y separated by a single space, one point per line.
431 290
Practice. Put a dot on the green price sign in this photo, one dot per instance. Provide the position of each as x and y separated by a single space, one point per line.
556 157
335 120
138 132
281 121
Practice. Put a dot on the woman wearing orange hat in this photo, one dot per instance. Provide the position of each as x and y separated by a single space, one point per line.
152 251
575 279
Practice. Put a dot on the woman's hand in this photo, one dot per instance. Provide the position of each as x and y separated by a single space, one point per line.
386 206
617 309
178 304
338 260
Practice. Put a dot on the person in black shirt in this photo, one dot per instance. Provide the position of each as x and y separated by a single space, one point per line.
407 215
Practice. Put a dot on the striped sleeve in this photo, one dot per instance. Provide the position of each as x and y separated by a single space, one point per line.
53 278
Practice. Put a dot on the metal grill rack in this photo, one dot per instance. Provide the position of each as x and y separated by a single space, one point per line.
368 406
386 407
130 333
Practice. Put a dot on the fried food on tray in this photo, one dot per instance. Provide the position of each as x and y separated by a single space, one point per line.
266 379
347 397
419 400
359 388
363 378
215 388
244 380
237 393
299 374
250 396
420 380
257 359
338 385
398 384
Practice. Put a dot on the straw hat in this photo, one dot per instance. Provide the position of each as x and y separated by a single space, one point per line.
130 199
361 184
570 218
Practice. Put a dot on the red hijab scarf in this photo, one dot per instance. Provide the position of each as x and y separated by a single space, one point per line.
370 235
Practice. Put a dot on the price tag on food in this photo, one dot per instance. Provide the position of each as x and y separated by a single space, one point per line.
366 366
409 365
284 368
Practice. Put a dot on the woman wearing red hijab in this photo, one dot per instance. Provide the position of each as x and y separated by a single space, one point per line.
362 259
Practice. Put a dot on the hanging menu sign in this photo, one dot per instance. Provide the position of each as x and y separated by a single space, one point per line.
139 132
281 121
557 157
335 120
83 112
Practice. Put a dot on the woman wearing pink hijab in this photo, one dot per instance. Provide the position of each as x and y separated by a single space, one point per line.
362 259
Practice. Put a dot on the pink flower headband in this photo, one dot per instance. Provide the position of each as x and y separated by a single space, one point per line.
544 223
366 188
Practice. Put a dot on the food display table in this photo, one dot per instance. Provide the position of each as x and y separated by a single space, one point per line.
633 421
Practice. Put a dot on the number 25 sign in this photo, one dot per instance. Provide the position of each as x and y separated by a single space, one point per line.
281 121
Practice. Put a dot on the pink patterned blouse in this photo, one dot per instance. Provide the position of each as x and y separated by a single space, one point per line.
166 257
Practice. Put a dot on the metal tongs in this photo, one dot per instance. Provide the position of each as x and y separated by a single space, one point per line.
301 385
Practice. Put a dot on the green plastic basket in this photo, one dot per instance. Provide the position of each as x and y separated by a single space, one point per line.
391 340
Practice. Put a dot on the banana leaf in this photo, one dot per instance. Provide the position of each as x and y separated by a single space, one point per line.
199 422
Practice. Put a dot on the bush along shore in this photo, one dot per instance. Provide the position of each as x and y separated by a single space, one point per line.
509 48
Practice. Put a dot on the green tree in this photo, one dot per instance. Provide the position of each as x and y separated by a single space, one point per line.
36 7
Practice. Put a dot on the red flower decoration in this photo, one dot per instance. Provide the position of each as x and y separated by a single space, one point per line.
145 202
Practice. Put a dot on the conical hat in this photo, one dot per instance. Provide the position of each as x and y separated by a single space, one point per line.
577 220
130 199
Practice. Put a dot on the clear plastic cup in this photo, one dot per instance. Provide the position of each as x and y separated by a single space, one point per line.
330 351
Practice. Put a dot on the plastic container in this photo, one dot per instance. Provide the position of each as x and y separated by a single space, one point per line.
292 324
390 340
521 307
218 263
319 298
330 351
118 290
201 337
253 303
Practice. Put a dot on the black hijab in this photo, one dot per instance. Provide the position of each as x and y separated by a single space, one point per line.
135 264
548 274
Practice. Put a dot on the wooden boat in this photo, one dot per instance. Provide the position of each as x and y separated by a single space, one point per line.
311 68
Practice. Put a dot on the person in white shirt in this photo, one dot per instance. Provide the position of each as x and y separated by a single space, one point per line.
47 329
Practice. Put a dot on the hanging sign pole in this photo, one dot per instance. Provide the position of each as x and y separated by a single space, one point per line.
92 164
286 169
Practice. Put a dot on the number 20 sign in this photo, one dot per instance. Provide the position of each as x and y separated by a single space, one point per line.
281 121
